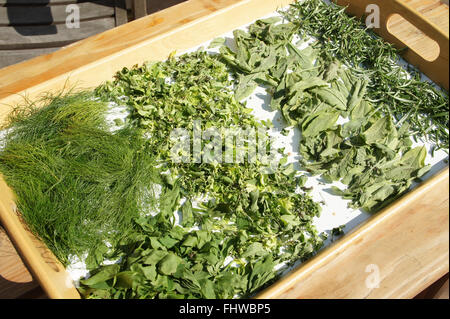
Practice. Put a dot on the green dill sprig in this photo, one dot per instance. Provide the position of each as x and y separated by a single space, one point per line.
78 186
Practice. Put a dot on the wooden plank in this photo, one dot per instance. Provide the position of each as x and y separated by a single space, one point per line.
407 243
120 12
438 290
155 5
409 240
413 37
30 37
433 10
139 8
54 14
437 12
15 280
10 57
142 40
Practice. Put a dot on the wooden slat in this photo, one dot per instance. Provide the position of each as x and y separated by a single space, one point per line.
438 290
10 57
155 5
15 280
111 43
139 8
30 37
434 10
54 14
120 12
413 37
38 2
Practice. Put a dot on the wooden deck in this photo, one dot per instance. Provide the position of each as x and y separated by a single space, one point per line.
15 280
29 28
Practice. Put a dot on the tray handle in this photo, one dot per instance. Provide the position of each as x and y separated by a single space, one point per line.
438 69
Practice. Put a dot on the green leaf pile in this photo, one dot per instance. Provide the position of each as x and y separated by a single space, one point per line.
228 244
371 153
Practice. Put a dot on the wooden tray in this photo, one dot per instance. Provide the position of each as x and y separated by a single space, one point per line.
408 241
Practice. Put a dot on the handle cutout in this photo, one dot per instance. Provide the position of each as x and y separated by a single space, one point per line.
414 38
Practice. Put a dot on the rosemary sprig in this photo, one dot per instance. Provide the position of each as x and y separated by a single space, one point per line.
401 91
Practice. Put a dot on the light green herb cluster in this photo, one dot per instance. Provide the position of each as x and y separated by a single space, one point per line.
227 245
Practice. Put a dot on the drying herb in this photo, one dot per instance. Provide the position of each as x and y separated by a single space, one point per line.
400 92
172 94
236 222
221 249
338 231
78 186
220 230
370 153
